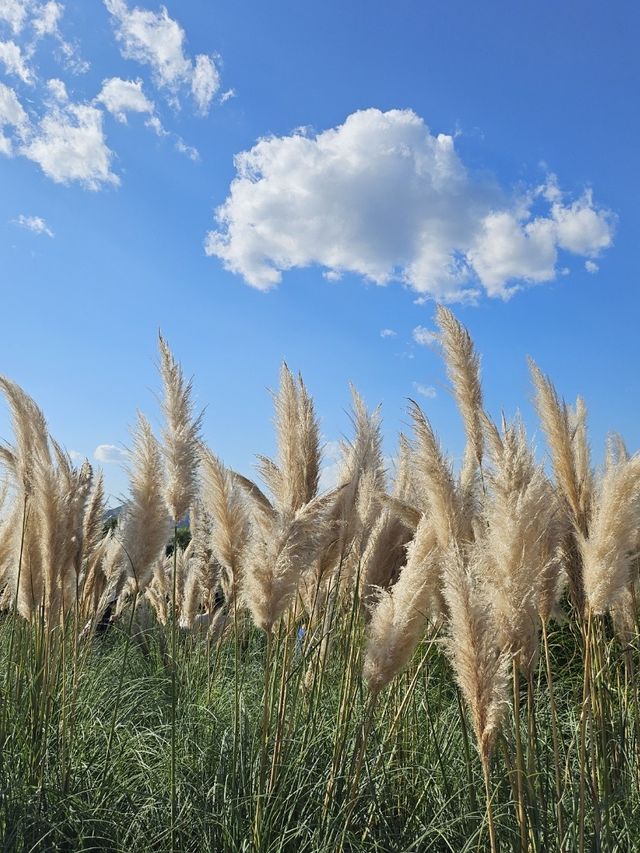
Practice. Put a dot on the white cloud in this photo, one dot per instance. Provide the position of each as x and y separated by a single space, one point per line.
330 470
426 390
383 197
47 18
72 60
157 40
156 126
205 82
33 223
43 19
58 90
14 13
183 148
425 337
581 228
110 454
76 457
226 96
11 115
123 96
14 62
154 39
388 333
591 267
69 145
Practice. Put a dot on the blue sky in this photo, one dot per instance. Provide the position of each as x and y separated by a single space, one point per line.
364 160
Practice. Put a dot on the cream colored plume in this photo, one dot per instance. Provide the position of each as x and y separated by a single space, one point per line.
517 552
226 505
473 647
145 524
463 367
611 546
181 436
400 615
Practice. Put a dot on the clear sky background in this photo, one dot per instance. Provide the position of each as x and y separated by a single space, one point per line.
484 154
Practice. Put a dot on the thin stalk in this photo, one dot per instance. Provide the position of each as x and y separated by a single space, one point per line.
467 747
486 772
174 636
554 735
116 706
520 771
264 742
585 712
14 612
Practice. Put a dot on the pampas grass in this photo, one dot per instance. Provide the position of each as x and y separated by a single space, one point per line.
146 524
609 552
481 669
306 672
181 435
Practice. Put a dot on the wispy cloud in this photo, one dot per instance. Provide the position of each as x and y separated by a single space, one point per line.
15 63
157 40
330 471
424 337
191 152
14 13
388 333
425 390
13 115
33 223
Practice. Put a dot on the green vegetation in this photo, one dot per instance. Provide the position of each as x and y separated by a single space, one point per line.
85 767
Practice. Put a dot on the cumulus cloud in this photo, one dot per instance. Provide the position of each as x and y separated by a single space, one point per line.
15 62
12 115
33 223
110 454
591 267
425 390
424 337
383 197
124 96
69 145
388 333
157 40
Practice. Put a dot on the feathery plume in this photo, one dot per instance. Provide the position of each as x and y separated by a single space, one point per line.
226 504
481 670
145 525
398 619
434 472
463 368
519 543
611 546
181 435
